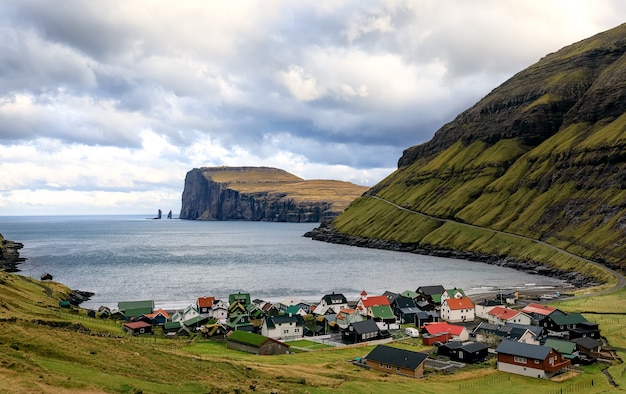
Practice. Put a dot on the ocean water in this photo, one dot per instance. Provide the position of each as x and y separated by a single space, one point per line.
173 262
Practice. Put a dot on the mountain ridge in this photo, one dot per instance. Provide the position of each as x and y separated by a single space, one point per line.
542 156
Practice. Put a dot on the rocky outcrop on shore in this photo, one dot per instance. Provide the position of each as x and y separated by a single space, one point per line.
10 255
77 297
326 233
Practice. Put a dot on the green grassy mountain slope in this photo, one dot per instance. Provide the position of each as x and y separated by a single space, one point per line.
542 156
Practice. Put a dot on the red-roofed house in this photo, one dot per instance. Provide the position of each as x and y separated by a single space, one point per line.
538 312
457 310
366 302
138 327
158 317
443 332
502 315
205 305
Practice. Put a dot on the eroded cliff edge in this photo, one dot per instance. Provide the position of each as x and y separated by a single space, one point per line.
262 194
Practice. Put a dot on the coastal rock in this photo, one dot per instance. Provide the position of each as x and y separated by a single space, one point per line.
262 194
77 297
10 255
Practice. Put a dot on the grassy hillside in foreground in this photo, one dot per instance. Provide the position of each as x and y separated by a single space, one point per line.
48 350
542 156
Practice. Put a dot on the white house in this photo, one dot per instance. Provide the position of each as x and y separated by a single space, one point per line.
283 327
452 293
456 310
482 308
331 304
189 313
219 311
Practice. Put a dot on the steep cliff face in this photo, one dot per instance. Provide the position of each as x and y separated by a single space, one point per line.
543 156
262 194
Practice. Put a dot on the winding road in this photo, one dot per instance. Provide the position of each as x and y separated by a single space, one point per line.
621 281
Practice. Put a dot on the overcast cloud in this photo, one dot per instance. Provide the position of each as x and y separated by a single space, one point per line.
105 105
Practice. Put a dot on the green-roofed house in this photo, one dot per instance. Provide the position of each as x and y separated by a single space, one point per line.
242 298
255 343
295 310
175 328
382 313
566 348
132 309
560 323
452 293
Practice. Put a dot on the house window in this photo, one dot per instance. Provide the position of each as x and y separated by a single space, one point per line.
536 361
285 331
518 359
296 330
388 366
397 369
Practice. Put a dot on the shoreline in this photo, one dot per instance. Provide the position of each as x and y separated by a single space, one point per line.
325 233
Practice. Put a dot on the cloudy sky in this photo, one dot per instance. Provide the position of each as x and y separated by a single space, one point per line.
105 105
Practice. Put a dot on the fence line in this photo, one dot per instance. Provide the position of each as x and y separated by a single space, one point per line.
486 381
574 388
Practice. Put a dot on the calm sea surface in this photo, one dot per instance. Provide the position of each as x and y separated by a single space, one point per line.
124 258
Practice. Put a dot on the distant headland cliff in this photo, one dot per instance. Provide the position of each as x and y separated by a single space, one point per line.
262 194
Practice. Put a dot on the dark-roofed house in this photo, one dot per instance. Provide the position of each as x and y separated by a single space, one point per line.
362 331
331 303
529 360
423 317
404 308
283 327
399 361
255 343
491 334
432 294
585 329
589 349
470 352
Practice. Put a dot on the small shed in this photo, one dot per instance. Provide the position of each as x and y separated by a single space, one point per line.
255 343
138 327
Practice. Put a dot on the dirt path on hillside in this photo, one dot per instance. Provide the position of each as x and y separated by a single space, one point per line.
621 282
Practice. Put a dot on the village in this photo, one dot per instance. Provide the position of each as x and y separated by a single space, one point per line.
525 336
